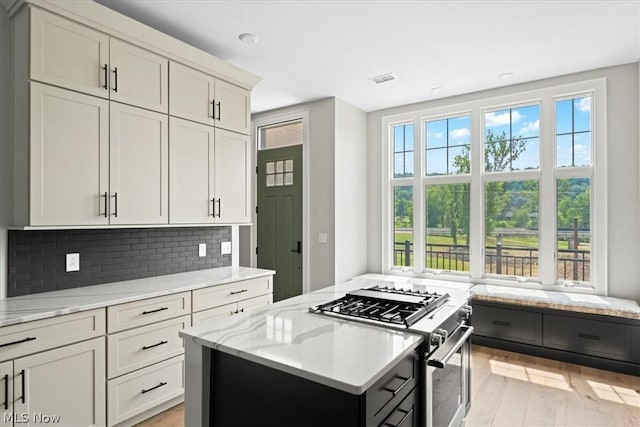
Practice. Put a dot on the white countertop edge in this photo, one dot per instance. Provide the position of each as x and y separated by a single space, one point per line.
356 389
109 300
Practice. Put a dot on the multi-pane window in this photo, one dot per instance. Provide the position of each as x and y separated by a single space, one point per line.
448 142
506 193
573 132
403 151
512 139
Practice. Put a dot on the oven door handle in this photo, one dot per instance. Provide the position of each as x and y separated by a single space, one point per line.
442 363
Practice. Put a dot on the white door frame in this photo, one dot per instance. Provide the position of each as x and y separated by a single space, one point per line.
255 126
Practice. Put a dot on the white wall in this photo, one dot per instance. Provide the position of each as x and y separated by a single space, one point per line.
320 190
350 191
623 170
5 145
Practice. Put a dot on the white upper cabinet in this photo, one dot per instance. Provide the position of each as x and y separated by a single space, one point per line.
69 55
68 157
139 166
231 177
202 98
232 107
138 77
191 164
191 94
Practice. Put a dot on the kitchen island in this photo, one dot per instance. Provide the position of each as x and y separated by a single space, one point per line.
283 365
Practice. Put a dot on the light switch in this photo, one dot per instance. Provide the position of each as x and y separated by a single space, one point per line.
322 237
73 262
225 248
202 249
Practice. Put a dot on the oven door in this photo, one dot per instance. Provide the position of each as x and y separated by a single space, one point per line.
448 380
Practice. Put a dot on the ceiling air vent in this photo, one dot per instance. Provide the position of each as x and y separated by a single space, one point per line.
383 78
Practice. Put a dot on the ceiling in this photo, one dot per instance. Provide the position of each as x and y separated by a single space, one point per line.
309 50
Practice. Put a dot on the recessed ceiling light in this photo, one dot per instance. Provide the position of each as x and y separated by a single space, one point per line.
248 38
436 89
383 78
505 75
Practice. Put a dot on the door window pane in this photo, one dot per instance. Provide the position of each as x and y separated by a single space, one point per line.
511 228
574 229
447 233
280 135
403 226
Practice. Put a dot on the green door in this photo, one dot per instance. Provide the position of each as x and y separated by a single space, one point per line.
280 218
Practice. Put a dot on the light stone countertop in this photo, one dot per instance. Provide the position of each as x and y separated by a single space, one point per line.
582 303
346 355
49 304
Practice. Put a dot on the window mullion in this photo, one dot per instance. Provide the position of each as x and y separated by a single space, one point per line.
476 222
419 224
547 209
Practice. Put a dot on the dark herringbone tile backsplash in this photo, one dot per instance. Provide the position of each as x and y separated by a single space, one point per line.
37 259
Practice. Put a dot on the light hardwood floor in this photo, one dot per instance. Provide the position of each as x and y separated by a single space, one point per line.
511 389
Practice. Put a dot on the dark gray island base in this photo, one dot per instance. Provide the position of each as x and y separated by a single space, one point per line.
245 393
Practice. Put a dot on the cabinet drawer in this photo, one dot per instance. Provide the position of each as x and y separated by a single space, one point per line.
214 313
392 387
139 347
507 324
253 303
215 296
592 337
134 393
30 337
152 310
405 415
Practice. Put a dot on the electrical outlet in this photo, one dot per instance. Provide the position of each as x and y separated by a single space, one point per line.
73 262
202 249
225 248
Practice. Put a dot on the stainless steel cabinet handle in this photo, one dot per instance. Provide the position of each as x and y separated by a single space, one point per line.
442 363
153 388
106 77
219 111
501 323
18 342
407 415
589 336
115 195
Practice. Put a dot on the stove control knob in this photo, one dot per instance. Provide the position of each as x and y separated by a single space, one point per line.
465 312
438 337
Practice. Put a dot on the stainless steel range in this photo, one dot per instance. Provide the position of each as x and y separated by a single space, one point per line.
444 323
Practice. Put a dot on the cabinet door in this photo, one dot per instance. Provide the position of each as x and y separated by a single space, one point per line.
232 107
6 393
68 382
138 77
67 54
69 157
191 94
191 177
231 177
139 176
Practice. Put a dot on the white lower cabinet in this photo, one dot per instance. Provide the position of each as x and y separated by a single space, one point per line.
65 386
142 390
